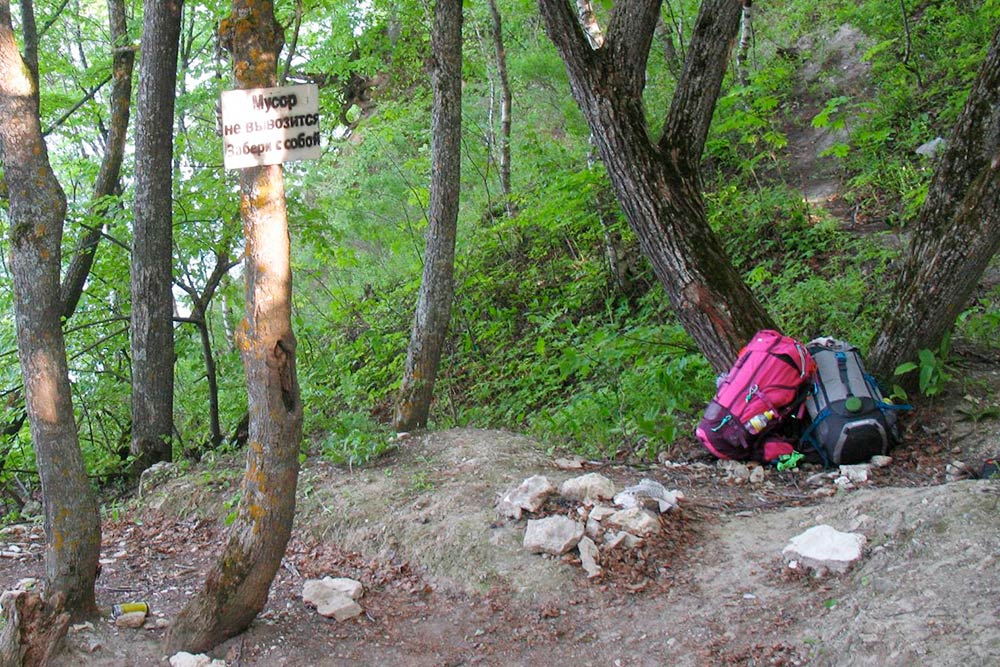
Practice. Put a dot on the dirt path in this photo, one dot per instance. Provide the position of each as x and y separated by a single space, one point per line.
448 583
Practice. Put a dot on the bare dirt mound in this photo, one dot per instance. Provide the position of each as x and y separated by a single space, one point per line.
449 584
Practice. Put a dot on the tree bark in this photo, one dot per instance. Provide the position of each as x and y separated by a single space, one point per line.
659 184
956 233
152 249
237 586
500 52
33 630
433 311
37 213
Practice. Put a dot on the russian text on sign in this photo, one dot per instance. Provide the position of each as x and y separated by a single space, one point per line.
262 126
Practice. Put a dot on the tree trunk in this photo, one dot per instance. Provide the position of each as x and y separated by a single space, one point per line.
433 312
237 586
505 104
956 233
659 185
33 630
152 248
37 212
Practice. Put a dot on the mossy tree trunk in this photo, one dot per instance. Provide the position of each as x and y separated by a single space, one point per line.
37 213
433 311
236 588
658 183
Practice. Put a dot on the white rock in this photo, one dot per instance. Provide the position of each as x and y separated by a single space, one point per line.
589 557
154 475
636 520
350 587
552 535
572 463
880 461
931 148
844 482
332 597
133 619
757 475
736 471
856 473
339 607
631 541
601 512
529 495
648 488
613 539
590 488
184 659
824 547
594 520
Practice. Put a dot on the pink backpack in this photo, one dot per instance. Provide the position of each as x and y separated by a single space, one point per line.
769 381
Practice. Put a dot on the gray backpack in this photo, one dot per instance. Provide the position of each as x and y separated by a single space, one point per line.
851 422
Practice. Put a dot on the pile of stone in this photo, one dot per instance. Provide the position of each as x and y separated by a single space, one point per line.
845 477
825 482
604 518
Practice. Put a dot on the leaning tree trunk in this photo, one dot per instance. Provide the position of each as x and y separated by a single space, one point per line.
152 246
237 586
108 176
430 321
37 212
956 233
659 184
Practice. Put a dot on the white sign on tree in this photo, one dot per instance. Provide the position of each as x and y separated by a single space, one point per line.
262 126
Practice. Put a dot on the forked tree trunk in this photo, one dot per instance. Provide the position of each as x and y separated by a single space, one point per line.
956 233
37 212
237 586
152 246
658 184
433 312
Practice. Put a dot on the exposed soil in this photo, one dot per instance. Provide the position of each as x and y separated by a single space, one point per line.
447 582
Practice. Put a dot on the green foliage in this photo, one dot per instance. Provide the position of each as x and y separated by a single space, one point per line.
634 389
354 440
981 321
934 369
815 278
542 338
748 131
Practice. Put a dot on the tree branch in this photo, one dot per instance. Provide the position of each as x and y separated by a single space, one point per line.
88 95
630 37
690 115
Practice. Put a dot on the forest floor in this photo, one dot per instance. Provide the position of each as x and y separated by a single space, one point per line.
448 582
